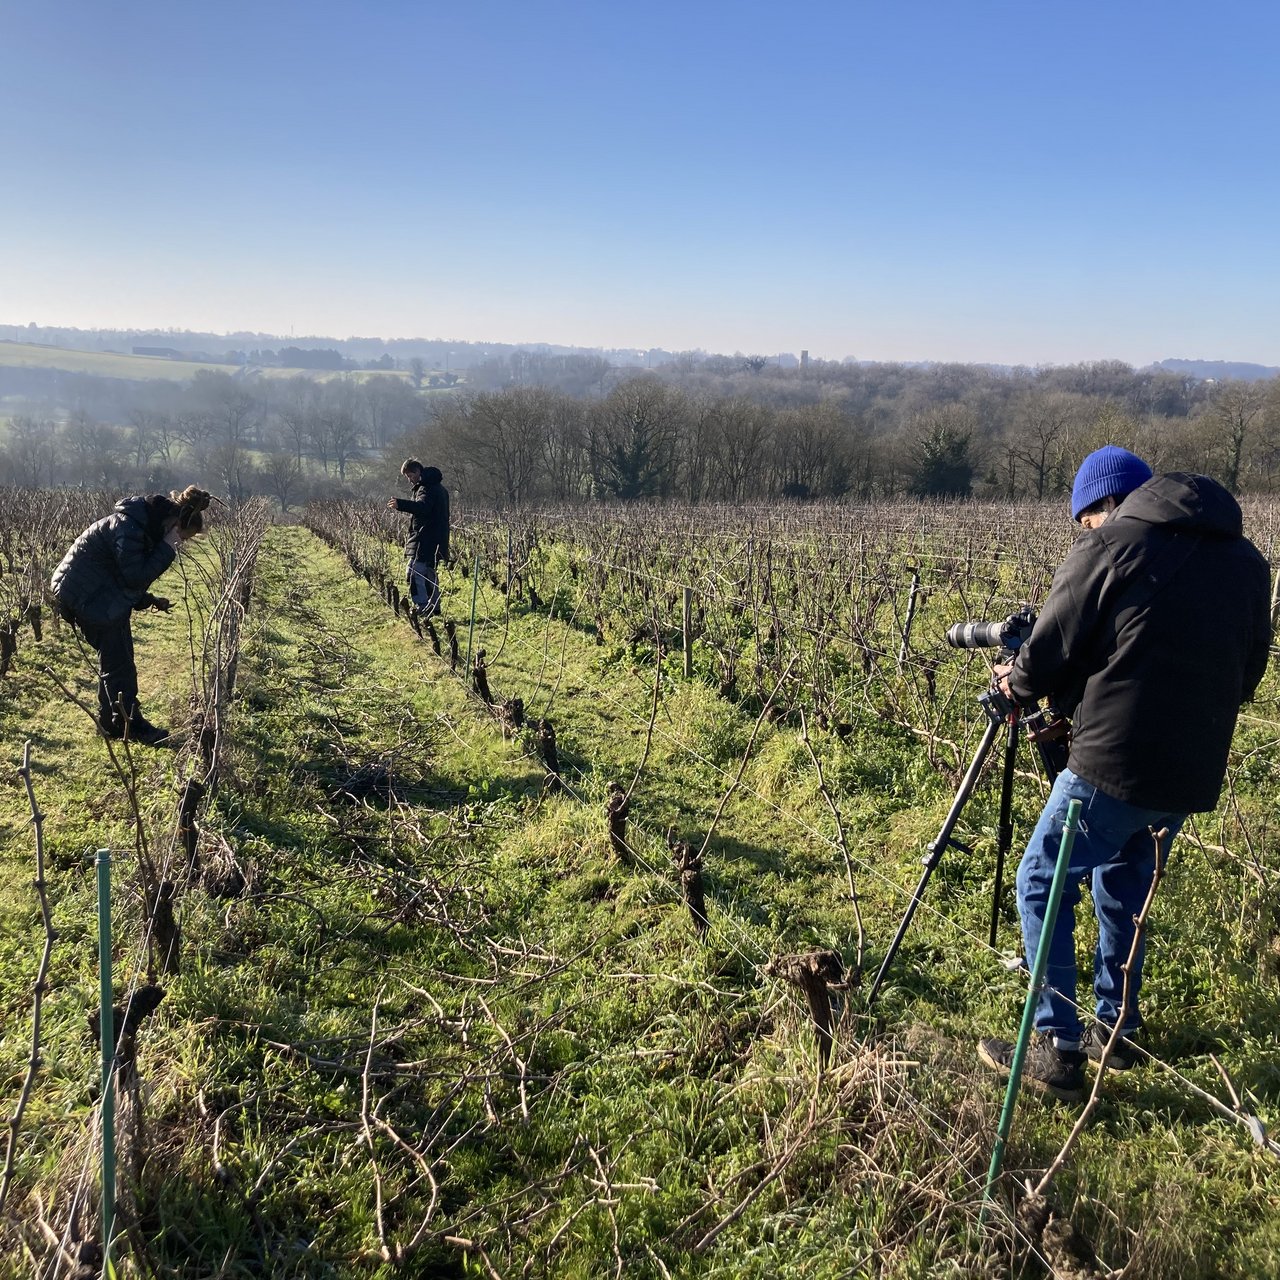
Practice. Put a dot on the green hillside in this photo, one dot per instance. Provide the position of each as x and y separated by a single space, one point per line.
131 368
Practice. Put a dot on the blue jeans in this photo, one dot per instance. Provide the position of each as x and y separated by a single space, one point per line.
1115 849
424 589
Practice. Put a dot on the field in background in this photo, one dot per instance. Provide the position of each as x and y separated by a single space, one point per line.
110 364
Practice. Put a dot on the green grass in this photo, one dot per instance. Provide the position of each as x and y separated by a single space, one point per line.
564 1075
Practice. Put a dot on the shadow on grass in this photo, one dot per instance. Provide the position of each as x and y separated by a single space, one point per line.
734 853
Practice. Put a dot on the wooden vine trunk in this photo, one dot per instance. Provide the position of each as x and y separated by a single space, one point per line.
188 831
166 933
616 809
8 645
1065 1249
451 630
480 677
511 713
814 972
126 1020
545 735
689 867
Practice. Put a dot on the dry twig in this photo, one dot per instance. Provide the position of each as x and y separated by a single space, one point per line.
41 985
843 843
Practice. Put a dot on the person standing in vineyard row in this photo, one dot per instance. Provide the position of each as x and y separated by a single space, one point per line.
105 577
1156 629
428 540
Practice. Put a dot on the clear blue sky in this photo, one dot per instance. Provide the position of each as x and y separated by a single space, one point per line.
1040 181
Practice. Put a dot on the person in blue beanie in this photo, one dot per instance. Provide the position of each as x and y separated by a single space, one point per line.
1156 629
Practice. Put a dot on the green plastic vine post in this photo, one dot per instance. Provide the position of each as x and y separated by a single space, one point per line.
1033 991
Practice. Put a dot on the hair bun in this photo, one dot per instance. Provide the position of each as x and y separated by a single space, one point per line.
189 504
192 499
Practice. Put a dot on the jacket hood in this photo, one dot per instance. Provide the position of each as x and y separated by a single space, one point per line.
1182 501
430 475
150 513
135 508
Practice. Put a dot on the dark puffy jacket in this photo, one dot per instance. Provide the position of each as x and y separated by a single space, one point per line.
111 564
429 518
1158 626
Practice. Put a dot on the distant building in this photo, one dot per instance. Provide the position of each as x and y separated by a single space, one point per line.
804 359
165 353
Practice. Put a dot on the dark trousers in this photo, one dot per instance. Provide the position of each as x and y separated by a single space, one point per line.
117 674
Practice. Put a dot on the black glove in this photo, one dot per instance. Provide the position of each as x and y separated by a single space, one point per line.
154 602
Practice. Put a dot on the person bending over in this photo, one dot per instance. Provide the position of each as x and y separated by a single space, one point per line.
105 576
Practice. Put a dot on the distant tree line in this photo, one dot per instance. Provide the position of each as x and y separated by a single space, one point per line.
532 427
264 348
292 438
561 429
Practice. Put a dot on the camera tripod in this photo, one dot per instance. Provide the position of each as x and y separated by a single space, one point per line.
1047 731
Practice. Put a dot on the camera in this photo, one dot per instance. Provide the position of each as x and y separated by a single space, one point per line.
1007 636
1010 634
1048 728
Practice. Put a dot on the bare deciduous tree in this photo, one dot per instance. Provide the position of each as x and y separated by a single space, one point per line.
632 435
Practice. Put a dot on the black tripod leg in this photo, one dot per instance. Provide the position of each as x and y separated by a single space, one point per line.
936 850
1004 839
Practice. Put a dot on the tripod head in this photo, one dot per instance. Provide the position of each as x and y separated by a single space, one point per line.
1045 726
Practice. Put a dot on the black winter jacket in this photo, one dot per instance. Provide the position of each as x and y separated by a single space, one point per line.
111 564
429 519
1156 629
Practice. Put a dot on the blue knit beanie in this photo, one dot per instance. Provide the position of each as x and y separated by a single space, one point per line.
1109 472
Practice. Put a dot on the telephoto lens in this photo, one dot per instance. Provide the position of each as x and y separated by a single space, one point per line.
977 635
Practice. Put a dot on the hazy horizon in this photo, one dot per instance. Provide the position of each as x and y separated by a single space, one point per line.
981 184
426 340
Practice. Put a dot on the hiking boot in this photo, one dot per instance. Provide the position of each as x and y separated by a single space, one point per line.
1124 1053
109 727
147 734
1045 1067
